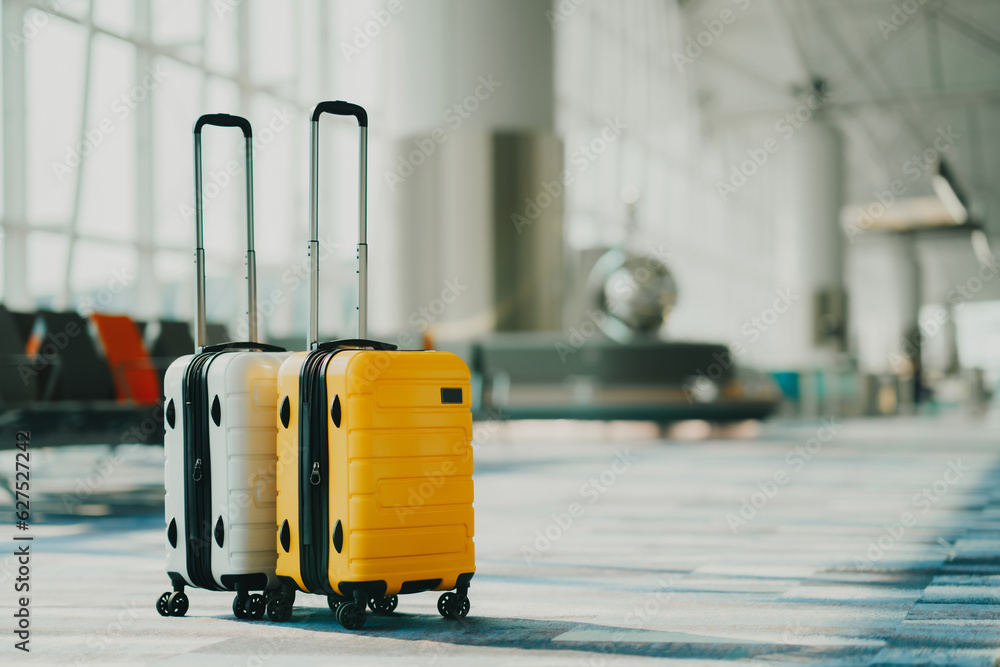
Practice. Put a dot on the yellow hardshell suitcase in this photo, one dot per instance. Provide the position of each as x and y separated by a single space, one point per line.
374 471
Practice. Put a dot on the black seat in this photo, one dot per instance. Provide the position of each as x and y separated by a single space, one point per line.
24 322
167 340
67 350
217 333
171 339
18 384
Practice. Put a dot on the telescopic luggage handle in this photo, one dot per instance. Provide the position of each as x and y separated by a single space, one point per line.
337 108
201 327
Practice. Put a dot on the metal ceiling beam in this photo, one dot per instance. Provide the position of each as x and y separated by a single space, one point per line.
969 29
874 73
740 66
925 98
779 14
934 54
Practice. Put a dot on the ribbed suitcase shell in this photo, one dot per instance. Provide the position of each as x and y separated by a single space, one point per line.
243 463
400 467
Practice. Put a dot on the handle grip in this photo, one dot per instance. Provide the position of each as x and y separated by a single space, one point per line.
341 108
356 342
338 108
201 326
223 120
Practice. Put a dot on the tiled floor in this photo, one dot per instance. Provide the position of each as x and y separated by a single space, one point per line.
869 543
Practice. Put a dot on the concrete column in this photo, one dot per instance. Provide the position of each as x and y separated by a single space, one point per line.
471 116
886 279
815 196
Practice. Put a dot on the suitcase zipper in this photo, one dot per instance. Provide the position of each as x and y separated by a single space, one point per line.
197 460
313 484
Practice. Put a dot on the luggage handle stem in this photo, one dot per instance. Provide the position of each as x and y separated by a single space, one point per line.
337 108
201 326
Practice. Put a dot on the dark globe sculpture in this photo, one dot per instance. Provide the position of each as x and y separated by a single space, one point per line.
636 292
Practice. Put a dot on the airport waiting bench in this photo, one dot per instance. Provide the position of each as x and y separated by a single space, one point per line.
549 376
71 380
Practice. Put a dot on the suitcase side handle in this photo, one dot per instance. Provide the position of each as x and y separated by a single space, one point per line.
338 108
357 342
201 326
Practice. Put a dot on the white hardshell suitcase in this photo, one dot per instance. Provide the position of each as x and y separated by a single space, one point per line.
220 443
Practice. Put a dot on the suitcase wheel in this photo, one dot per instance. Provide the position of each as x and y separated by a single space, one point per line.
351 615
239 604
161 604
256 606
335 601
249 607
279 608
176 605
383 605
453 605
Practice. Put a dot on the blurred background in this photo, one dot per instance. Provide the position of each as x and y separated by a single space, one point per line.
651 209
743 243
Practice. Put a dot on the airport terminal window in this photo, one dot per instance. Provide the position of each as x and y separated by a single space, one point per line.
106 185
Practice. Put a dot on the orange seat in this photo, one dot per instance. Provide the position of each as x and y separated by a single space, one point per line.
131 367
